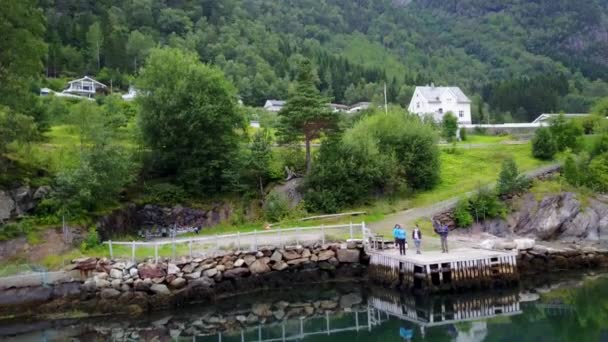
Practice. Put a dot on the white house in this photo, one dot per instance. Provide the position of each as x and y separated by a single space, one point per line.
436 101
274 105
131 95
85 86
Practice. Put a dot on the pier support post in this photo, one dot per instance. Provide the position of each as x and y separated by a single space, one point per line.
133 251
111 251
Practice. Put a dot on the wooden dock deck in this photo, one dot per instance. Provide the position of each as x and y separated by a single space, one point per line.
433 271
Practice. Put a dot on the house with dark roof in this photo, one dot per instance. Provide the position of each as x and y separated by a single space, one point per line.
437 101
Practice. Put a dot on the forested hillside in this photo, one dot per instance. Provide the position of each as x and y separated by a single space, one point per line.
522 57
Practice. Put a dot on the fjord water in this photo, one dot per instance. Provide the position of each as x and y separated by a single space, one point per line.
567 310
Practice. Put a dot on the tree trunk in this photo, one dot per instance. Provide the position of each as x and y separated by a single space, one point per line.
308 160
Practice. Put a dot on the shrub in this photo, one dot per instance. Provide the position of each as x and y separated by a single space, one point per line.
600 146
449 126
509 180
165 193
543 144
463 134
91 240
275 207
485 205
566 133
462 214
598 173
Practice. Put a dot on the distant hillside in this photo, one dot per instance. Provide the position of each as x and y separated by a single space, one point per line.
357 45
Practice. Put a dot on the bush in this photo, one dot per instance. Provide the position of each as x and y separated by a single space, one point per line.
509 180
275 207
600 146
449 126
543 144
485 205
462 214
566 133
165 193
463 134
91 240
598 173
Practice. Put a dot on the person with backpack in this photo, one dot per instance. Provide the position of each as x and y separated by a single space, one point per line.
399 235
417 238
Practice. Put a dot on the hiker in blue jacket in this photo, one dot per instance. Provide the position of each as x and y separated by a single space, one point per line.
399 235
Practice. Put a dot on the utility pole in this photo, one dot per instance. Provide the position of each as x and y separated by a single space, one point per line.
385 102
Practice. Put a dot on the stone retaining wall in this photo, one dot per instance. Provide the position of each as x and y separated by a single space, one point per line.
541 259
126 287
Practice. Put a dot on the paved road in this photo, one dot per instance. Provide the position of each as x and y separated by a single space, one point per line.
413 214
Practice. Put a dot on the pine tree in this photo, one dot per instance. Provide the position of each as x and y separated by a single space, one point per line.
306 114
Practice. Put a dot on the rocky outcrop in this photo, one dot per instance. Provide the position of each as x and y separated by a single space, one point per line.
122 221
19 201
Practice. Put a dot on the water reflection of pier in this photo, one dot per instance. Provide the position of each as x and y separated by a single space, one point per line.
424 312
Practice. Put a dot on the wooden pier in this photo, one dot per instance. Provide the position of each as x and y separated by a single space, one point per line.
433 271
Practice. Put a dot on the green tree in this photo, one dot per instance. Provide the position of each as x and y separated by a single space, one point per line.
22 50
575 169
598 173
258 159
449 127
565 132
306 114
600 108
462 214
543 144
138 47
188 118
14 128
485 205
509 180
95 42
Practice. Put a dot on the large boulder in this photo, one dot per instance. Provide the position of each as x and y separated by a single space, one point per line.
109 293
7 206
149 270
524 244
546 220
236 272
326 255
348 255
160 289
259 267
178 283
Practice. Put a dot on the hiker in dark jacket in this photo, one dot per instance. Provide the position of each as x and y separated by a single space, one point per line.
443 231
417 238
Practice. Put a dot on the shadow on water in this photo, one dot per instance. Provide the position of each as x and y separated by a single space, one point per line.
576 309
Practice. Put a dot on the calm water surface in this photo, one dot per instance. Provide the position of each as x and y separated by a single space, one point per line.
571 310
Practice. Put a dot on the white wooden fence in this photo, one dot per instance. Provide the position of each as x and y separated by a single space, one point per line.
250 240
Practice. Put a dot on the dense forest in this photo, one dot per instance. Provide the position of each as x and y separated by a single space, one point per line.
516 58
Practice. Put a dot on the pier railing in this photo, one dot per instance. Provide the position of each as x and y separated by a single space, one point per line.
242 241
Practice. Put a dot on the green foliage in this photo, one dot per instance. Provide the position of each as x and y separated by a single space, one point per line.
449 126
188 119
15 128
306 114
347 173
404 136
598 173
509 180
164 193
543 144
566 133
91 240
275 207
462 214
571 171
486 205
600 108
600 145
463 134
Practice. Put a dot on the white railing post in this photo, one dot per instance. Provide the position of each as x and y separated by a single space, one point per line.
238 240
132 251
156 252
173 249
190 247
297 236
217 242
350 229
255 239
327 321
111 251
323 234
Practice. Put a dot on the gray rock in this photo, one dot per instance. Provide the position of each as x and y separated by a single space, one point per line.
202 282
259 267
348 255
140 285
188 268
278 314
194 275
210 272
350 300
160 289
133 272
101 283
42 192
276 256
7 206
116 273
290 255
306 253
261 309
116 284
249 259
109 293
239 263
172 269
252 319
326 254
297 261
328 304
351 244
178 283
546 219
279 266
236 272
